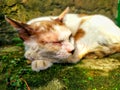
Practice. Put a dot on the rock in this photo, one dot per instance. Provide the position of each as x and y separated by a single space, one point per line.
25 10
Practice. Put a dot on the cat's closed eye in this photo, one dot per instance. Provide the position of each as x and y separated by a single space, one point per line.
70 36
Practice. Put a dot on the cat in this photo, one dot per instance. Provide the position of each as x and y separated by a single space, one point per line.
67 38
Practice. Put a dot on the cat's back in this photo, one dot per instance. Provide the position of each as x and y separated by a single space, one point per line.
101 25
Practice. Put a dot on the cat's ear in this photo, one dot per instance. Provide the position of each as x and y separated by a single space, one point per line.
62 15
22 28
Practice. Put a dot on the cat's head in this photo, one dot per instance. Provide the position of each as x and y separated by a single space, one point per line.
46 38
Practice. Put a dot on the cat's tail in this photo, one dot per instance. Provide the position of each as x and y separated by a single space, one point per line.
103 51
115 48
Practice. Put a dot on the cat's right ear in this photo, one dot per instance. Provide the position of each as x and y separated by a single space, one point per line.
62 15
23 29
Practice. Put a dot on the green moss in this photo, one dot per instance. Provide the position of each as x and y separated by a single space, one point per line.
13 67
10 2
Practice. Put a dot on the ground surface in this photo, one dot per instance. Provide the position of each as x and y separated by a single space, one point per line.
88 74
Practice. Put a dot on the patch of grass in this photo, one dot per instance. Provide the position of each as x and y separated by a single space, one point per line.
17 41
15 73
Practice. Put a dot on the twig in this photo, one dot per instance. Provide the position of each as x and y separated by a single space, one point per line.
28 88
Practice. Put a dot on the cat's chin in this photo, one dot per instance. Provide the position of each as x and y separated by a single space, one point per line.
63 54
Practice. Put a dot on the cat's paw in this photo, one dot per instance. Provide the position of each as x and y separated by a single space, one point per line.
38 65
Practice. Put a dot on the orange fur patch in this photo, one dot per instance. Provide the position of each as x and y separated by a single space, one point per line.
44 30
47 37
44 26
115 47
82 21
80 33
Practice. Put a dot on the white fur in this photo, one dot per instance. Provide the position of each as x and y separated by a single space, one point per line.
73 22
38 65
98 30
41 19
95 25
63 32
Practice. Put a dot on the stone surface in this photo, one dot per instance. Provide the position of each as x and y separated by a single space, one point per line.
25 10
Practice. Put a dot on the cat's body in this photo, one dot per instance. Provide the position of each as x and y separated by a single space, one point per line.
68 38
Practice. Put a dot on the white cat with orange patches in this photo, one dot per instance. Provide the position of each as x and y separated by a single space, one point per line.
67 38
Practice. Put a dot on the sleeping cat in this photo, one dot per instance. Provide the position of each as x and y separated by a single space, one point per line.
67 38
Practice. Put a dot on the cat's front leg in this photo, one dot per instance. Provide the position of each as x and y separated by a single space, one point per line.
38 65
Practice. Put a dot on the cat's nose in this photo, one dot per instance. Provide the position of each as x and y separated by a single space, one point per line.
72 51
68 47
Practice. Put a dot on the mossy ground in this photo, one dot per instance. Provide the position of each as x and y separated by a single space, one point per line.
88 74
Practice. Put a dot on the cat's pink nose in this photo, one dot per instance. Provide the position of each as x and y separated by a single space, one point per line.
68 46
72 51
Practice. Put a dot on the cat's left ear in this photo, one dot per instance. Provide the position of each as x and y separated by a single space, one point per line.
62 15
24 30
